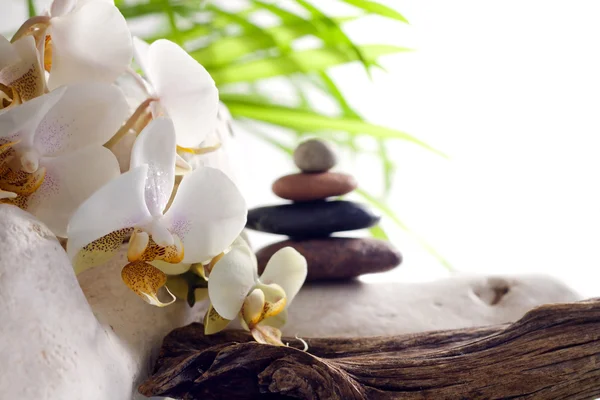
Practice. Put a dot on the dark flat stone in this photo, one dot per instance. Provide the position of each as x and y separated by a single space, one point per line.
311 219
338 258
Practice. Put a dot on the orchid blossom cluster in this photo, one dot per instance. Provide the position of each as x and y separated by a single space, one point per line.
100 172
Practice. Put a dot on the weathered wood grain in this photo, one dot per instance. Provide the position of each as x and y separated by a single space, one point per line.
553 352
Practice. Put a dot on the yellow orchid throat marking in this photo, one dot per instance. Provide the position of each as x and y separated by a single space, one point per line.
199 150
17 185
256 309
47 53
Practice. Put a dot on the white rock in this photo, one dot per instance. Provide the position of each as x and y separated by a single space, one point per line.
360 309
52 346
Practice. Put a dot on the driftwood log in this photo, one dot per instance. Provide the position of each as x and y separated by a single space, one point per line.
553 352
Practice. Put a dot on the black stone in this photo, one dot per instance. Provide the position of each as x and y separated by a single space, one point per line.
311 219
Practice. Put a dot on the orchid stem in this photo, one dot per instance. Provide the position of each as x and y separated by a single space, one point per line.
130 123
29 25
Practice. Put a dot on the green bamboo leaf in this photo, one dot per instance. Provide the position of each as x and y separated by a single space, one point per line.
144 9
377 232
336 93
286 16
331 89
388 166
333 35
170 12
377 8
307 121
227 50
392 216
196 31
302 61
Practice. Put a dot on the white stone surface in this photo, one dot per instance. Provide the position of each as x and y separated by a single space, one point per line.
53 345
359 309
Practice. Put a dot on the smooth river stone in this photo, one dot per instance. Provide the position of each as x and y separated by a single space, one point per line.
307 187
354 309
311 219
338 258
314 155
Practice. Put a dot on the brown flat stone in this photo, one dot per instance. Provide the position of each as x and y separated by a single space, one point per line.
307 187
337 258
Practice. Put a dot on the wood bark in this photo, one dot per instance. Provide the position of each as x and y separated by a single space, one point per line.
553 352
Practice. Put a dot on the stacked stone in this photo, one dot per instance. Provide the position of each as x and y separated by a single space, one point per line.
313 216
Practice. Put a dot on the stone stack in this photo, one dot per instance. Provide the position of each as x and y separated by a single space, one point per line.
314 215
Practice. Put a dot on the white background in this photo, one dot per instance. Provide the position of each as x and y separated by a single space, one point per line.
510 90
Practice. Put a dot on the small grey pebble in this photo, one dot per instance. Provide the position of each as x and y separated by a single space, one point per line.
314 155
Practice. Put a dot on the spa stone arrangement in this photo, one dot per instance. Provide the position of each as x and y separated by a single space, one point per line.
315 214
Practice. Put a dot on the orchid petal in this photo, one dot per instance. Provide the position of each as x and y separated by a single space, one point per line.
61 7
116 206
138 243
88 113
171 268
69 181
186 91
8 54
276 321
252 309
213 322
20 122
91 43
230 281
181 165
208 213
267 335
241 242
100 250
287 268
20 68
274 304
156 146
145 280
140 54
122 150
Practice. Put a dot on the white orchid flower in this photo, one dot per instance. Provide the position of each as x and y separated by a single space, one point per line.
184 90
206 215
21 71
51 154
234 288
221 141
81 41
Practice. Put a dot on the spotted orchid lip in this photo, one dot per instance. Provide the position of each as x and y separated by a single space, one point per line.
145 280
